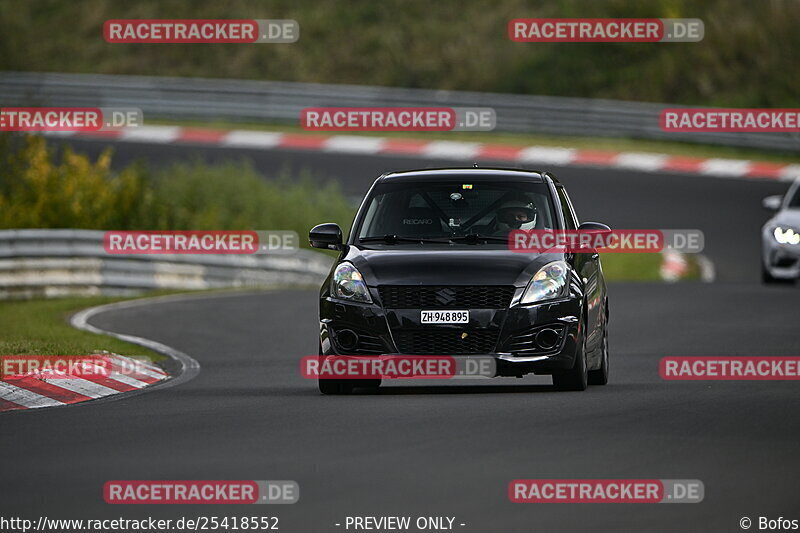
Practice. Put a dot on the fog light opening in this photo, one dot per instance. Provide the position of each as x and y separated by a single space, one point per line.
547 338
347 339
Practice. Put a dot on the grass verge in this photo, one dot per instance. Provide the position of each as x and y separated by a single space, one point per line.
41 327
642 267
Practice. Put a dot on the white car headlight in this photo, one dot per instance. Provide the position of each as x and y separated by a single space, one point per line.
348 284
552 281
786 236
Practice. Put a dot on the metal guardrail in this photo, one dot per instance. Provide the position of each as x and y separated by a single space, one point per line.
47 263
254 101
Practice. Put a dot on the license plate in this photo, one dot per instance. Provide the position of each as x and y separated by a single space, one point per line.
445 317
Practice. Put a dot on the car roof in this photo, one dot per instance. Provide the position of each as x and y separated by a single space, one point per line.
455 173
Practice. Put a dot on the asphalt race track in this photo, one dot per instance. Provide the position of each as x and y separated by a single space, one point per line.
449 449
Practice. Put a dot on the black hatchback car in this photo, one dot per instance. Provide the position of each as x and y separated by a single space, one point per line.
429 241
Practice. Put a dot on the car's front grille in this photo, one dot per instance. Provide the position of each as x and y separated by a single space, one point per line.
446 297
445 341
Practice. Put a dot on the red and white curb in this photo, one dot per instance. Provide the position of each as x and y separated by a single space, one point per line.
54 388
675 266
471 151
55 392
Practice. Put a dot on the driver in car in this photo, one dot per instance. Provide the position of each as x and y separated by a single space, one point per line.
513 214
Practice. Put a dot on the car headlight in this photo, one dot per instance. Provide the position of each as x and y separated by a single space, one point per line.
348 284
552 281
786 236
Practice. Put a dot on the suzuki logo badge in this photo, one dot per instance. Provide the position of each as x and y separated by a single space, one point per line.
446 296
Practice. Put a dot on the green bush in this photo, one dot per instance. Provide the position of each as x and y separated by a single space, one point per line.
42 189
36 192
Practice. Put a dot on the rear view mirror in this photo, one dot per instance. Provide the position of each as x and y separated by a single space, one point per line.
326 236
772 203
595 227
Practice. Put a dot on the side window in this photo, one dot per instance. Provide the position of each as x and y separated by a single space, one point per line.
795 201
570 221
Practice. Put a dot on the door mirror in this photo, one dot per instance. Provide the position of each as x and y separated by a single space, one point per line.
595 227
326 236
772 203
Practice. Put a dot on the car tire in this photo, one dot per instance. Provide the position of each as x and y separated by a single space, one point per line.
346 386
335 386
372 384
577 377
766 277
600 376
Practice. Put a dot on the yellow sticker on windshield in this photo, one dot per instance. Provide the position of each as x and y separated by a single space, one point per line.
466 186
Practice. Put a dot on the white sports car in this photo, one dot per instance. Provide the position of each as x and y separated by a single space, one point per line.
780 258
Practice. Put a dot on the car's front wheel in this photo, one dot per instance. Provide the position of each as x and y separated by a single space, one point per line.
768 279
577 377
344 386
335 386
600 376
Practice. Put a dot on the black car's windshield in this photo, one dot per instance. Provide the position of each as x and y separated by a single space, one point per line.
468 211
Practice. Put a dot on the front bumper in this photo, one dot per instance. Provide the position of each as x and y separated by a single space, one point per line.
782 261
512 336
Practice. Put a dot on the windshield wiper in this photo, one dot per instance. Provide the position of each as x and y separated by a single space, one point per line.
475 238
391 239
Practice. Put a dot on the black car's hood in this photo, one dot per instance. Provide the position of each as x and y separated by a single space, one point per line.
399 265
